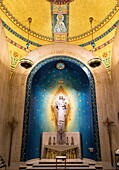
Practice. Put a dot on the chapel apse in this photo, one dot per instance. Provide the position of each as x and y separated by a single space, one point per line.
43 83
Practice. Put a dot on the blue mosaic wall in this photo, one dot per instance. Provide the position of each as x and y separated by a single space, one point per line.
42 85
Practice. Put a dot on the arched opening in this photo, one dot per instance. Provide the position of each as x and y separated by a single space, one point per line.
42 84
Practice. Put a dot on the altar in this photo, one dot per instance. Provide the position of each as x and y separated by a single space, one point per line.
71 148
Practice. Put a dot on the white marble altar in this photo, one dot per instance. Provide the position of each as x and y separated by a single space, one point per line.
71 149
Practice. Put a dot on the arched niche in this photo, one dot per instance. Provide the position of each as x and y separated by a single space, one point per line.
43 83
19 82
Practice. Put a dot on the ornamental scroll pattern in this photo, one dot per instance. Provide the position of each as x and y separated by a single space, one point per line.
106 59
15 58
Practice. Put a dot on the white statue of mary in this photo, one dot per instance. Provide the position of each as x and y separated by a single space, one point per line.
61 112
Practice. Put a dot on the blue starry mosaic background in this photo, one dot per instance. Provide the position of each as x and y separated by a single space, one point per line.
41 87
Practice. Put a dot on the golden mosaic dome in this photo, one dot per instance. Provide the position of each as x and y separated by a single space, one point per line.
18 12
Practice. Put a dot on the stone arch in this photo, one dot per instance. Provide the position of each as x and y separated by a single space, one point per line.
18 89
88 79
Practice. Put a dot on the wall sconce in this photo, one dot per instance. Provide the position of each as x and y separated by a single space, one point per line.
26 63
94 62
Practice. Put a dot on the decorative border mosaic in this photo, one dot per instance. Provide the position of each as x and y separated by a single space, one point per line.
82 45
25 49
19 36
105 44
37 35
16 44
102 35
27 102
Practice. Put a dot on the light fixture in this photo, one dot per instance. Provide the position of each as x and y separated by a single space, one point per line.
28 42
94 62
26 63
92 42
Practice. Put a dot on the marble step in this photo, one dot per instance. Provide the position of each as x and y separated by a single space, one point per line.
61 165
98 167
22 167
61 168
54 162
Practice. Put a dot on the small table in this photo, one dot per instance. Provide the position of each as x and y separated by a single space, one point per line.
63 158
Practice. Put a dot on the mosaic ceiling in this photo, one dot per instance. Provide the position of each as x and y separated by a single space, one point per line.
79 13
15 14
